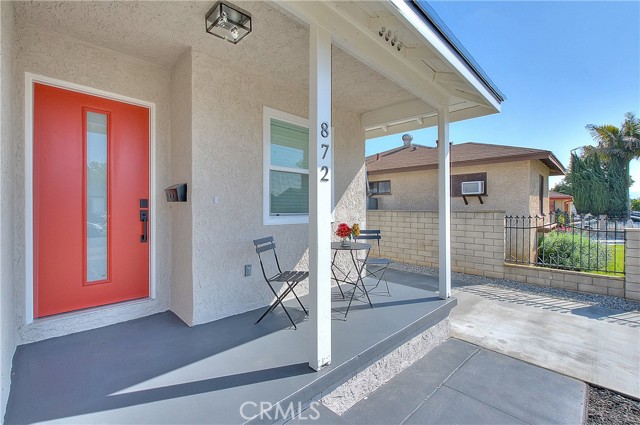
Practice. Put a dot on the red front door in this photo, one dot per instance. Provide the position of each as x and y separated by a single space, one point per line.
91 193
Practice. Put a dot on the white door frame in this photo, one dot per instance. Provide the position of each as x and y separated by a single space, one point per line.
29 80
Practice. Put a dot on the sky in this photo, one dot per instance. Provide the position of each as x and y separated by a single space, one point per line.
561 65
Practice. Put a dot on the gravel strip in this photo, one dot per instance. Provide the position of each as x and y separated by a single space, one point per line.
609 408
614 303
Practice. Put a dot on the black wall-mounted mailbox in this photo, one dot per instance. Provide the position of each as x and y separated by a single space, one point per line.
176 193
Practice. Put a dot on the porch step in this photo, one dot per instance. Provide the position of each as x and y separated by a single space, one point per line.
347 368
398 398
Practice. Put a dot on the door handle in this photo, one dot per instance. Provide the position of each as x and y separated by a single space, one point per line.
144 218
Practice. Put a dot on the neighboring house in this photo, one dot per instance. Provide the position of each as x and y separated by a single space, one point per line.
142 92
515 179
560 202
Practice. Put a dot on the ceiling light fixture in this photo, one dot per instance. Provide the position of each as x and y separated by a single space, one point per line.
228 22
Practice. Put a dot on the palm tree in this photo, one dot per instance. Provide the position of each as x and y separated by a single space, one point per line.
617 144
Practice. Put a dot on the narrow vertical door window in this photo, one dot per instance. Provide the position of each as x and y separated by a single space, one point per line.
97 205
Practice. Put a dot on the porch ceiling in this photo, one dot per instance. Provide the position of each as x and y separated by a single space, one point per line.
277 48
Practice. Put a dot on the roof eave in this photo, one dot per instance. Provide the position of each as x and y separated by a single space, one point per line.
431 19
547 158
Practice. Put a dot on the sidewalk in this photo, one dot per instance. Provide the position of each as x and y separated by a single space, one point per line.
593 344
457 383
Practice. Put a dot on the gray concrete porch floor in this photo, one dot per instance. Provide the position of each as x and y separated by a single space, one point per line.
158 370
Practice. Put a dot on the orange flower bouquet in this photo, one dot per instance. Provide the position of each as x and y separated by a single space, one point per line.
345 232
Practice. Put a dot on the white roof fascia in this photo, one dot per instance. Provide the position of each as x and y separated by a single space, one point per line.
410 18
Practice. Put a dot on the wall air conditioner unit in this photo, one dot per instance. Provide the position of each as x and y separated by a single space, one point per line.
473 188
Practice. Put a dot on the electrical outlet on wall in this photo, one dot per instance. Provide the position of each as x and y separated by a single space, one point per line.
247 270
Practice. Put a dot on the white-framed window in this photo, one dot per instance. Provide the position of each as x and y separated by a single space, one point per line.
286 168
382 187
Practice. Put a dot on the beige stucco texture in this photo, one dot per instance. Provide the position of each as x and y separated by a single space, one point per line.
208 96
512 187
208 134
227 166
8 206
56 56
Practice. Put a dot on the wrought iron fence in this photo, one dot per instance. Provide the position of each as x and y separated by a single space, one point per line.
560 240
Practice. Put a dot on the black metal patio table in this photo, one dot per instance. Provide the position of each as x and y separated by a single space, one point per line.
358 283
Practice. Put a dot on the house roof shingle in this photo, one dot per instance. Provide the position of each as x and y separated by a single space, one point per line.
417 157
558 195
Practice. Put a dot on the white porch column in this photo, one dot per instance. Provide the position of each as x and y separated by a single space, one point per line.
320 197
444 202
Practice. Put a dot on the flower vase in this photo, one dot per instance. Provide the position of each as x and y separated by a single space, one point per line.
346 242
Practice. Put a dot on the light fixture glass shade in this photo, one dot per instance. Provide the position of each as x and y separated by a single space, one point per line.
227 21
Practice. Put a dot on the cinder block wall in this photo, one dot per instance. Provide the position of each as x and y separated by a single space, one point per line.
566 279
632 264
477 239
477 247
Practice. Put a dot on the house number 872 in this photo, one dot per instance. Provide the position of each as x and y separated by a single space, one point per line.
324 132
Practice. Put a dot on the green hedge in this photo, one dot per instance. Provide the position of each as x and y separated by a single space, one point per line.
574 251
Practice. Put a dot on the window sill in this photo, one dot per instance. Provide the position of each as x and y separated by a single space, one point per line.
285 219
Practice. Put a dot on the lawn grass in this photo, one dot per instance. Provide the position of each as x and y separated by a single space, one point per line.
618 252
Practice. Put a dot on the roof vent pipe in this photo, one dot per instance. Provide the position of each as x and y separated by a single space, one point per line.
407 139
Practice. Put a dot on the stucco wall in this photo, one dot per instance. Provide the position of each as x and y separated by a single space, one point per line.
7 153
507 189
57 56
181 214
227 163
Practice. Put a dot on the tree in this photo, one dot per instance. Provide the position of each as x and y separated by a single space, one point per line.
564 185
581 183
635 204
617 144
600 195
590 185
617 182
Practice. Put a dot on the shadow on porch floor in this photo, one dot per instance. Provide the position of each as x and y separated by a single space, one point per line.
158 370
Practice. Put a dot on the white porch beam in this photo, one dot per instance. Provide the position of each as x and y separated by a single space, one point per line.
419 53
444 204
447 77
465 112
319 197
467 96
406 111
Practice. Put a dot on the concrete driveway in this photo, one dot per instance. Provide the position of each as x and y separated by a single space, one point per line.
593 344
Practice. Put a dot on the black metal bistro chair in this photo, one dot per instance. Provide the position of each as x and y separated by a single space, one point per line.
375 267
290 278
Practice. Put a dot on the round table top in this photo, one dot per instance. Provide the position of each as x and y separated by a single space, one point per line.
353 246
